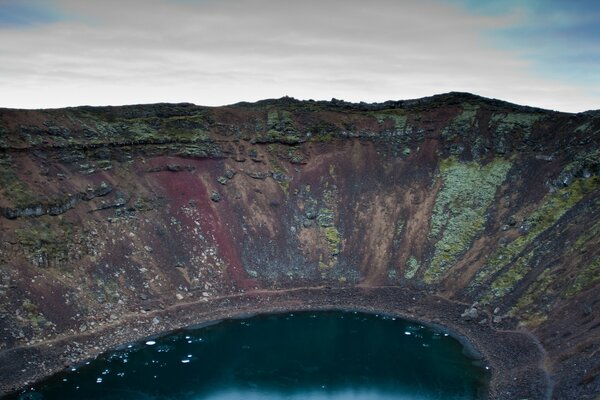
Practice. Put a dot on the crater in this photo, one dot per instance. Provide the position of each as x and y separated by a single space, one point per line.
298 355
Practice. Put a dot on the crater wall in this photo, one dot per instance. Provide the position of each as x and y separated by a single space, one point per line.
114 212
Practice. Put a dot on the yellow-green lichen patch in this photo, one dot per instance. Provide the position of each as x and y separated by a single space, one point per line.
525 306
460 210
585 278
412 266
553 207
333 239
504 283
586 237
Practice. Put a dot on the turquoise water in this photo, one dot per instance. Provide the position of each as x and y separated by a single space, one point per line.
307 355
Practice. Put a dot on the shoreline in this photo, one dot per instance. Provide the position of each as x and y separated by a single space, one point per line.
515 358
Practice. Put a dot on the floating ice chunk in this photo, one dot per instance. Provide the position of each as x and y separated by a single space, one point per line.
185 360
99 380
407 333
150 342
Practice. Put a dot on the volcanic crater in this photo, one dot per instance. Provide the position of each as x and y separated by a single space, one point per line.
475 214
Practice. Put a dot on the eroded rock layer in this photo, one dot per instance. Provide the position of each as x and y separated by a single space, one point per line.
109 212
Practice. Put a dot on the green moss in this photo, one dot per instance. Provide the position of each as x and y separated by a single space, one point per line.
504 283
585 127
295 156
36 319
535 291
280 128
333 239
399 227
3 136
325 217
399 121
273 120
586 160
329 196
553 207
412 266
459 213
507 123
585 278
324 267
198 150
13 188
586 237
46 243
462 123
325 138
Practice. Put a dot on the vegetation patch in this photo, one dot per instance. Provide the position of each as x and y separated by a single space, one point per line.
333 239
553 207
46 244
13 188
508 123
587 277
459 213
325 217
280 128
462 124
412 266
34 316
507 280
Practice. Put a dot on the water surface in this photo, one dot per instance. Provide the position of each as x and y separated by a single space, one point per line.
306 355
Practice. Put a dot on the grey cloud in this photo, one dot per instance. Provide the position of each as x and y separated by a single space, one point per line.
216 52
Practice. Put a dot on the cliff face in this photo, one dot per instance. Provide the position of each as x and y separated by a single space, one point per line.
108 211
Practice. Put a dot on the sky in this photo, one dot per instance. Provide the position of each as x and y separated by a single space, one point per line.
57 53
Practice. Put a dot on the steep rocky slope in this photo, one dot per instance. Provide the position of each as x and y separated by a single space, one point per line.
114 212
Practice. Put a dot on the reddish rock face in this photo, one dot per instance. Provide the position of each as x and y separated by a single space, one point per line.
109 212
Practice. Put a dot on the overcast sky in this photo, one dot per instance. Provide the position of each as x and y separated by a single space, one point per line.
56 53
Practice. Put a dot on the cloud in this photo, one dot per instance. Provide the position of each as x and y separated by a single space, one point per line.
219 52
561 39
